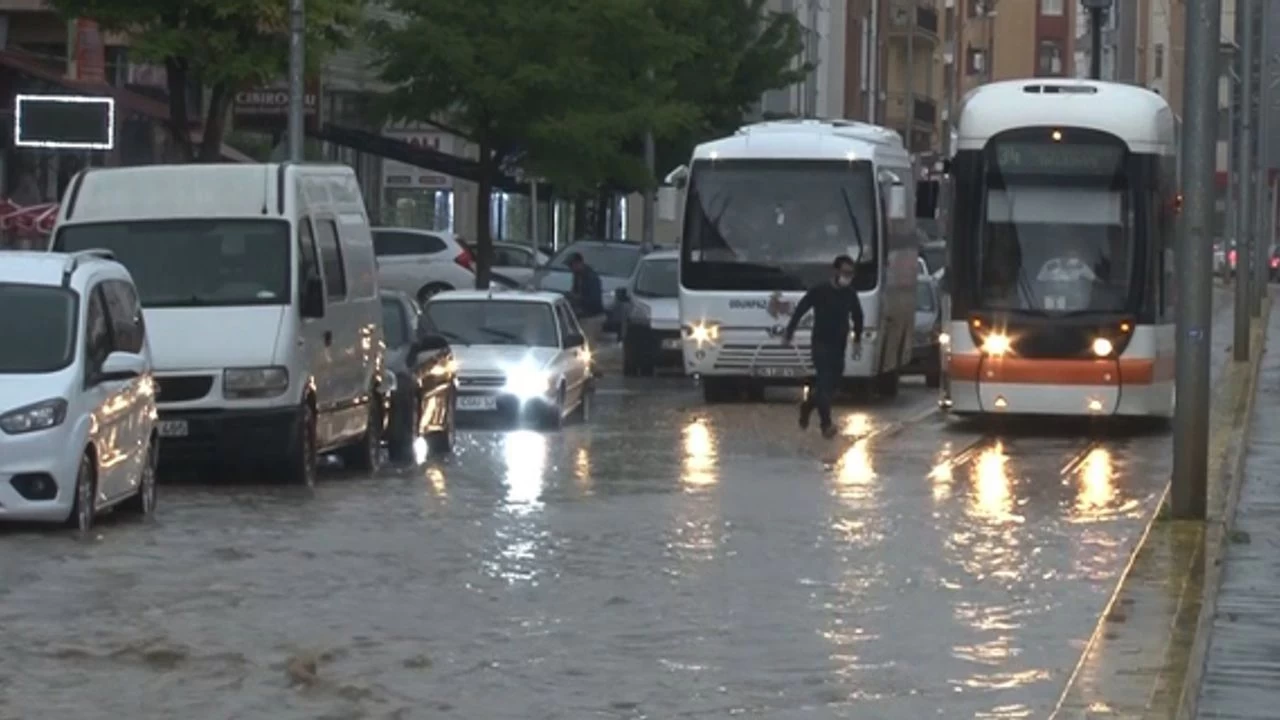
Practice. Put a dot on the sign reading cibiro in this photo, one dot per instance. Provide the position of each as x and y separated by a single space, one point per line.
267 108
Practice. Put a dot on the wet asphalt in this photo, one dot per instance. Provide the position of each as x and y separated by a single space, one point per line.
668 560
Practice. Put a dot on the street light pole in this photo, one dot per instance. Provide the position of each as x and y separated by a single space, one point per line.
1188 493
297 78
1097 17
1246 224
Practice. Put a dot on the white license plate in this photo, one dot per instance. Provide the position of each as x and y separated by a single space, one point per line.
172 428
479 403
776 372
671 344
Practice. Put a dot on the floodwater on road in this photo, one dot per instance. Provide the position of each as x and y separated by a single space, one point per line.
669 560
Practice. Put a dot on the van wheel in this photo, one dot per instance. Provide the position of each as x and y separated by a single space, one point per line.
84 512
887 384
366 454
144 502
431 290
301 466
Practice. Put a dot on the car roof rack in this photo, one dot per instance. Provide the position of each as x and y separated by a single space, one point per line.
76 258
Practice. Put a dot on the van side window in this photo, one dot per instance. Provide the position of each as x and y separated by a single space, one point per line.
97 335
307 251
125 315
335 274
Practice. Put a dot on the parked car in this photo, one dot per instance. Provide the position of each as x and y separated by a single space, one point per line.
520 355
926 350
262 309
77 399
422 263
515 263
650 307
614 261
423 385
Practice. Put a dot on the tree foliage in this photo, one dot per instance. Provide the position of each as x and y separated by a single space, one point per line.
555 87
228 45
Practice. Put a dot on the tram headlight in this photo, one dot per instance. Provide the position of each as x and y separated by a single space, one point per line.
703 333
997 344
1103 347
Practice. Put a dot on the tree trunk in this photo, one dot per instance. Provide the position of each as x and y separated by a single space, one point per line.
176 74
484 201
215 124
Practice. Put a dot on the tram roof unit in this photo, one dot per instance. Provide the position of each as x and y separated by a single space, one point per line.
1139 117
808 139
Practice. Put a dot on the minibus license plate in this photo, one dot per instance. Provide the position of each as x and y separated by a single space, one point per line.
172 428
782 372
671 344
478 403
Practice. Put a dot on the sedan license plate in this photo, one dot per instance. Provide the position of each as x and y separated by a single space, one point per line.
671 344
477 403
776 372
172 428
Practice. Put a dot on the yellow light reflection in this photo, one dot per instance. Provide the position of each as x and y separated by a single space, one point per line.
700 455
855 473
1097 483
993 492
582 469
858 425
435 480
526 458
943 473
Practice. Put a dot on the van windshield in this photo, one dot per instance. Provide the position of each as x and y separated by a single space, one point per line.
194 262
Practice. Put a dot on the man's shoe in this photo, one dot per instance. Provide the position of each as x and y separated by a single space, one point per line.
829 432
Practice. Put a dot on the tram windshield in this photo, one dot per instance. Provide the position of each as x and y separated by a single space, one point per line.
778 224
1057 237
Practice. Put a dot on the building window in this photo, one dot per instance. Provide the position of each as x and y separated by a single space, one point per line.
978 8
1158 71
1052 7
1050 59
975 61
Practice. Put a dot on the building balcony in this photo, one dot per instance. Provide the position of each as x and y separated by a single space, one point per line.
922 27
923 113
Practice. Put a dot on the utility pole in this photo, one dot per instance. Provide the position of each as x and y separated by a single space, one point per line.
910 113
1246 224
297 79
1097 17
1195 261
648 217
1262 205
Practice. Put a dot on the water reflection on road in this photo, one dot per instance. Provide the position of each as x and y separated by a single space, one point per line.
671 560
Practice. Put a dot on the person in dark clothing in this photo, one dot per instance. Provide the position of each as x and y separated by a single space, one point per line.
587 296
835 305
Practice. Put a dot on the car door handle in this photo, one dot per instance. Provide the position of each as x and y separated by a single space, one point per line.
328 338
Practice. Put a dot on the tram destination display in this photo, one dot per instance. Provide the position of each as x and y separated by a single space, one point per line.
64 122
1049 158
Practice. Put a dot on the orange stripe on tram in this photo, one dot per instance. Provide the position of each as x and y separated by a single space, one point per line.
1026 371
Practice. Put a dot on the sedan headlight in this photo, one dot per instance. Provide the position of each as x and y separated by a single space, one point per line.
256 382
40 416
703 332
528 383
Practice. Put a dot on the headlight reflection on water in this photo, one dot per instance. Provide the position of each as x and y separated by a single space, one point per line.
700 455
525 453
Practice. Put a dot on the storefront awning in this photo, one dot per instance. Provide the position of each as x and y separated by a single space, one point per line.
125 100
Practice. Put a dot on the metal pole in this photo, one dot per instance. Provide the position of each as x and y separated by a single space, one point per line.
1195 260
873 101
297 78
534 219
1247 223
1262 205
650 160
1229 215
911 78
1095 43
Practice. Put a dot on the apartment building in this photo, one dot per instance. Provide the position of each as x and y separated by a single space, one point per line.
1006 39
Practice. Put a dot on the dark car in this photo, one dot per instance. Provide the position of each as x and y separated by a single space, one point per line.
424 394
926 350
613 261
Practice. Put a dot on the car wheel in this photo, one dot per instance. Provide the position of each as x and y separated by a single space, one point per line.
404 431
431 290
443 441
302 464
366 454
584 405
143 503
554 418
84 511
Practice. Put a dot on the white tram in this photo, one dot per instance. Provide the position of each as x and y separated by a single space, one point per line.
1060 265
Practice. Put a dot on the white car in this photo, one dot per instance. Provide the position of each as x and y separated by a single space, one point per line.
650 309
515 262
421 263
77 400
519 354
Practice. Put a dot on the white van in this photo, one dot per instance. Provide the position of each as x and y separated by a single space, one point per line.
260 294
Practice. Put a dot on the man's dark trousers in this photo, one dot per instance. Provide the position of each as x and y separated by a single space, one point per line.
828 369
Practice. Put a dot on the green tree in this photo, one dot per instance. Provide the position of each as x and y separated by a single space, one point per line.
553 87
228 45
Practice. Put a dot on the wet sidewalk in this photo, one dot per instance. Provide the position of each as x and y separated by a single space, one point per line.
1242 674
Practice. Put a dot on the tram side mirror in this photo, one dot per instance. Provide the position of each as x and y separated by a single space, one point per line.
897 202
677 178
668 198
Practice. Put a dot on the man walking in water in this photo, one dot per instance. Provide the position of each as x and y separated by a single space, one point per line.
835 305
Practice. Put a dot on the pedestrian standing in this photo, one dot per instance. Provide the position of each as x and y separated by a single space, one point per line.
835 306
587 296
